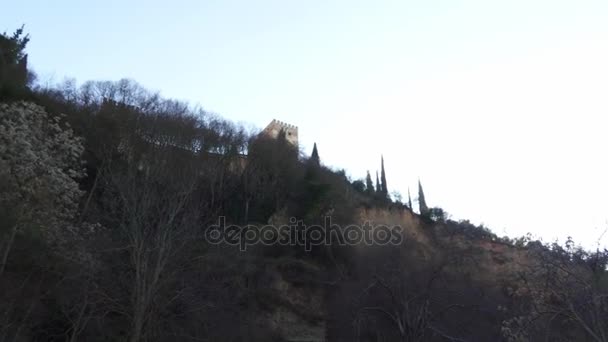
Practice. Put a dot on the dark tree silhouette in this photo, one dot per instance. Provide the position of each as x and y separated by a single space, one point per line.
359 186
424 209
369 185
14 75
409 199
383 178
314 157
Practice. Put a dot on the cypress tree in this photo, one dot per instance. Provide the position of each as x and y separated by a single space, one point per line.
383 178
409 199
424 209
369 185
378 186
314 157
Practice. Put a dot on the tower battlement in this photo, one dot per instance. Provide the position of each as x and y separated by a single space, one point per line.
275 126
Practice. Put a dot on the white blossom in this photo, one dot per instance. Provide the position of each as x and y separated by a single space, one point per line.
40 162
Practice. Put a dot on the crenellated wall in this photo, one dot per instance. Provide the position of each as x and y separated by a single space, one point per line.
275 126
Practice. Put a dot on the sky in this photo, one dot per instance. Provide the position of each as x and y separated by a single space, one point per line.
499 107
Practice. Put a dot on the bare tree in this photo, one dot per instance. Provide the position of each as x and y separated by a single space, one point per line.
157 211
411 304
566 292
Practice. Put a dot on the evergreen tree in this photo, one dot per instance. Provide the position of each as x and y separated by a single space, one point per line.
14 75
314 157
378 186
424 209
383 178
369 185
409 199
359 186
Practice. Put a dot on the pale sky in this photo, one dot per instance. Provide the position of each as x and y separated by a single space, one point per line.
499 107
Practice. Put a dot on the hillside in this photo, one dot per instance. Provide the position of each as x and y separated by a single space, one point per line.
125 216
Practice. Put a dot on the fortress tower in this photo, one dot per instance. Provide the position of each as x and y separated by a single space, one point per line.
275 126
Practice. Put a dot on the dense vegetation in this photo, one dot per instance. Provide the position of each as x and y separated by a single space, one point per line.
106 192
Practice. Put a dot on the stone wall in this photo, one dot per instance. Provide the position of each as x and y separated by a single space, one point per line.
275 126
